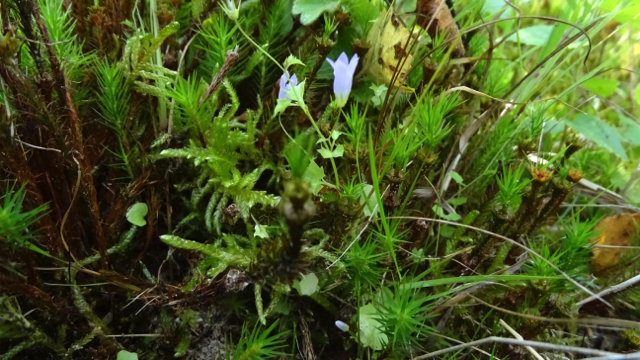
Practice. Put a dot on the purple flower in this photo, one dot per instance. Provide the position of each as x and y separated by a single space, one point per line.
286 85
343 70
342 326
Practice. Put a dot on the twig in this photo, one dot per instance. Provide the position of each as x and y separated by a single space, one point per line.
37 147
519 337
232 57
538 344
613 289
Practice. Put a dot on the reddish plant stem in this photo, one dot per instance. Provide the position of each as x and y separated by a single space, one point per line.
89 193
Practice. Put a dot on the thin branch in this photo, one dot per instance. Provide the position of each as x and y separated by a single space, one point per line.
519 337
611 290
37 147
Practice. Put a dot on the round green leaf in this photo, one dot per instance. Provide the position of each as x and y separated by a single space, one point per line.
125 355
371 334
308 284
136 214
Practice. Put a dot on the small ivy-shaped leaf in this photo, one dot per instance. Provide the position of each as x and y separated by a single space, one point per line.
281 106
379 93
296 93
136 214
261 231
307 285
314 176
310 10
338 151
335 134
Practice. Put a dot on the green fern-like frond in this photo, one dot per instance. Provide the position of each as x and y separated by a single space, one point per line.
60 25
218 147
221 164
224 253
136 62
240 188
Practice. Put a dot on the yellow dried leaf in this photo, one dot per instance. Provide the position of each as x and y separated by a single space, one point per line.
387 40
617 230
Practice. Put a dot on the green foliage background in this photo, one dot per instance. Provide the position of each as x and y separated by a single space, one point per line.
162 201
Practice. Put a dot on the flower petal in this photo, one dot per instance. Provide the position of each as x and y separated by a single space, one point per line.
343 58
343 71
283 85
353 64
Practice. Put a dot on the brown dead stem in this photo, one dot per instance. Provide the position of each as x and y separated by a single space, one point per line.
89 193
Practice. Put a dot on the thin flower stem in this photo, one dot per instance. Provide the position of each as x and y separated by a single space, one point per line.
323 138
259 47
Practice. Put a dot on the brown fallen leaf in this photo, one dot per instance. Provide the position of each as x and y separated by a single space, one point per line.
617 230
435 17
